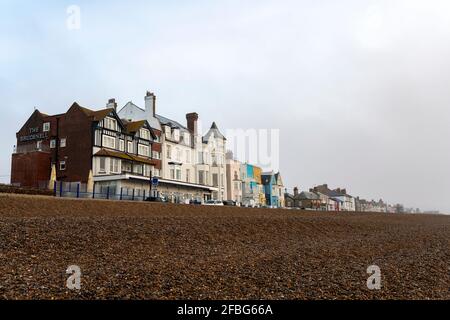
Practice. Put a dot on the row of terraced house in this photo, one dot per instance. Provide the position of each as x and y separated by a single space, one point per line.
126 148
323 198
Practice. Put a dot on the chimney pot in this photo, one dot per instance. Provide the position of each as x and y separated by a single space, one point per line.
112 104
150 104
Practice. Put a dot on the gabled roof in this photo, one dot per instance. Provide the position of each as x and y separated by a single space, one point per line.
134 126
99 115
278 178
268 177
140 114
213 132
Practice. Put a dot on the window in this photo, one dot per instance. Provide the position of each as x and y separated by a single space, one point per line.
53 144
156 154
121 145
156 172
144 134
201 177
143 150
215 178
187 137
221 180
188 156
110 123
102 165
178 174
188 175
168 132
176 134
46 127
130 147
109 142
63 142
200 157
114 165
62 165
169 152
172 174
178 153
39 145
147 170
137 168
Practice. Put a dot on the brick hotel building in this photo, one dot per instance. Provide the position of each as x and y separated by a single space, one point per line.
121 150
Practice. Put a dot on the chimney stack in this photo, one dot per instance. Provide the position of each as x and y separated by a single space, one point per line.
295 191
192 119
112 104
150 104
344 191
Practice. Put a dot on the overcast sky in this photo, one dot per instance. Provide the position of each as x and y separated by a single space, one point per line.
360 90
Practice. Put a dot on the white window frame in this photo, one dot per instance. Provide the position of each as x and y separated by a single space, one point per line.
144 134
130 149
100 169
63 142
168 132
110 123
143 150
114 165
61 164
46 127
176 134
106 137
53 144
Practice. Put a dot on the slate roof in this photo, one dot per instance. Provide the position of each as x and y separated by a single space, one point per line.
214 132
305 195
171 123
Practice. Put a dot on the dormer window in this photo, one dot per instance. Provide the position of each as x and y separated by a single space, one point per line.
176 134
110 123
168 132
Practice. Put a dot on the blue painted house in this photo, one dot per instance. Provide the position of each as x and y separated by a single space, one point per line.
273 188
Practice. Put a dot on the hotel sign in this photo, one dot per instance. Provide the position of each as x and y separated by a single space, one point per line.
34 134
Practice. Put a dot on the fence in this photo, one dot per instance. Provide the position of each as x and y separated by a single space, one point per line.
80 190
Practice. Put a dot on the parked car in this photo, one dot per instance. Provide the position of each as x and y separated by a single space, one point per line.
213 203
195 201
156 199
229 203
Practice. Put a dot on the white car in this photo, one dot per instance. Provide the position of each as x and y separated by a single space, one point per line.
213 203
